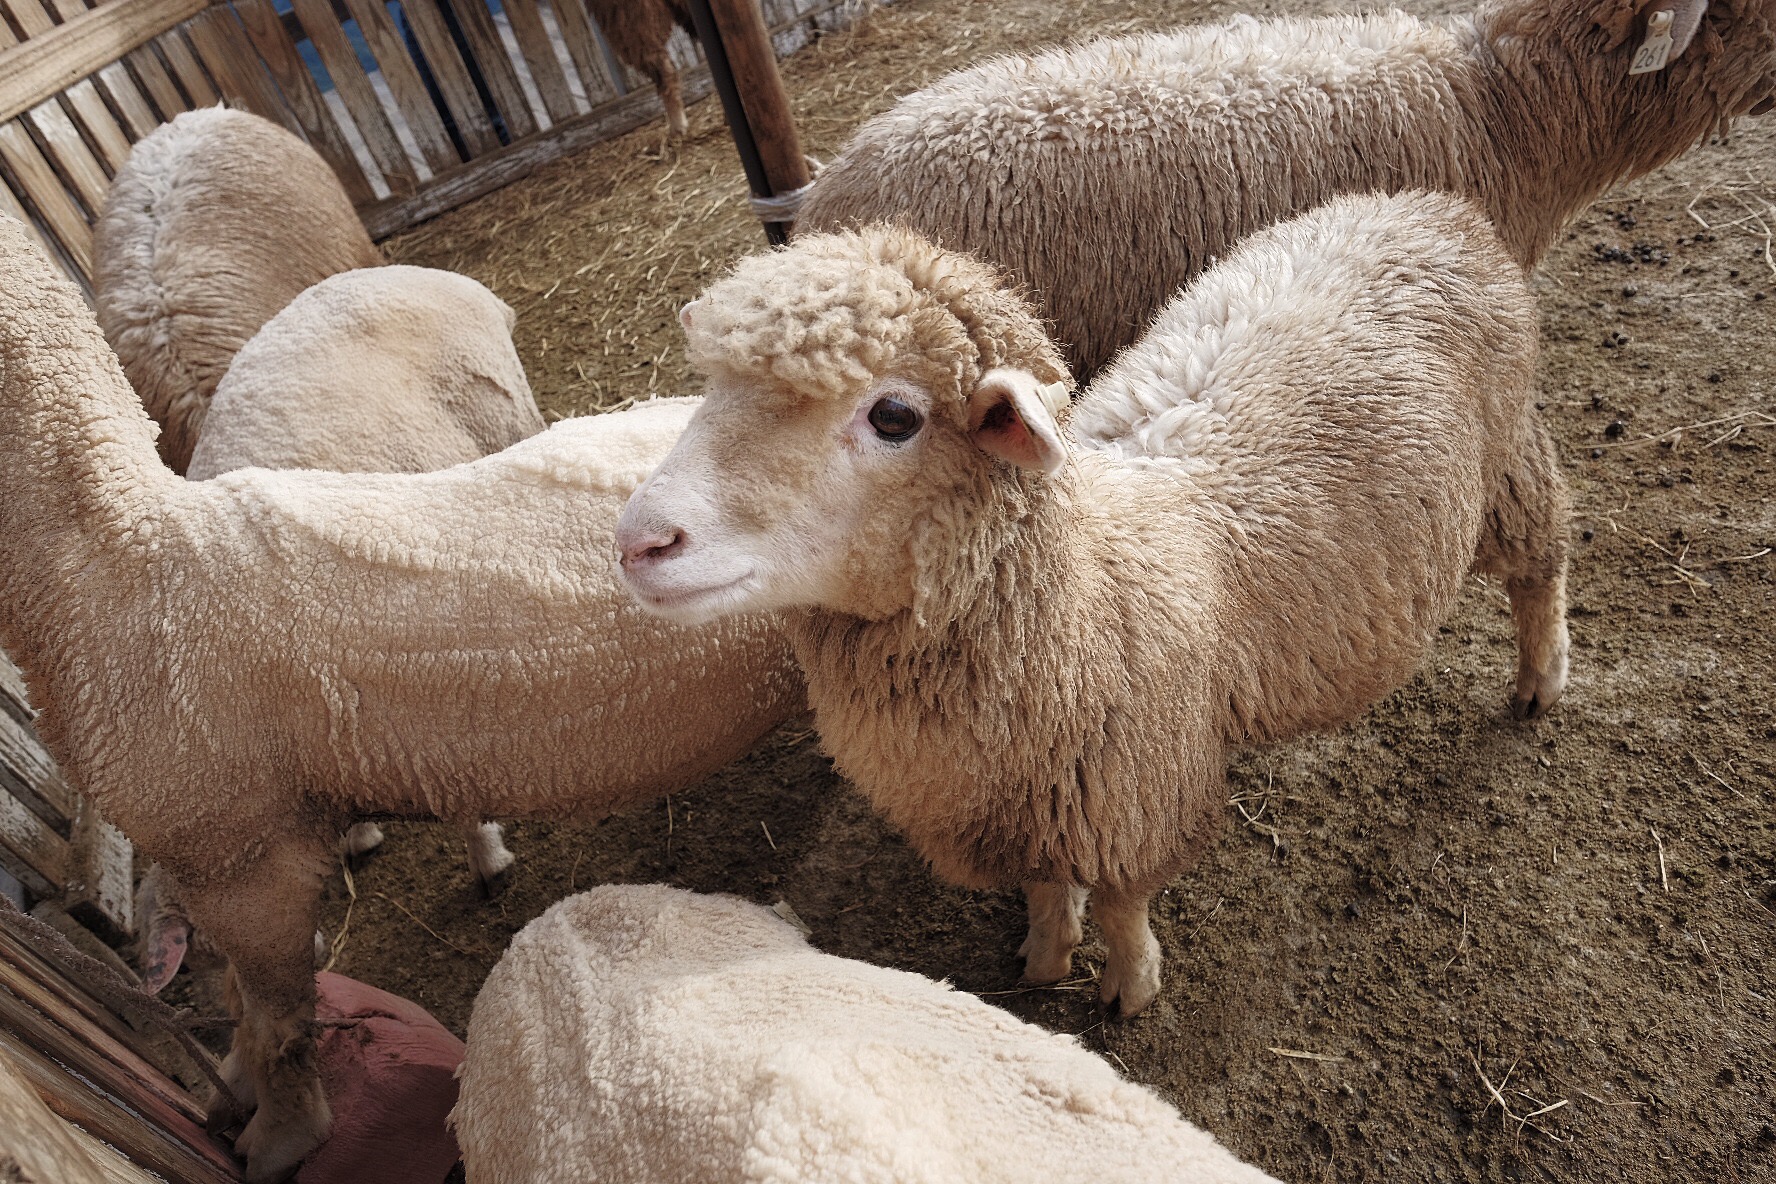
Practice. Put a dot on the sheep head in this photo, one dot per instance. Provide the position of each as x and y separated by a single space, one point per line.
863 389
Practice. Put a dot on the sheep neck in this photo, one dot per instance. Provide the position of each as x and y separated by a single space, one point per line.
1556 121
80 482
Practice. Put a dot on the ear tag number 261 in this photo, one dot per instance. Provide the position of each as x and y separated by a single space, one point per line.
1655 51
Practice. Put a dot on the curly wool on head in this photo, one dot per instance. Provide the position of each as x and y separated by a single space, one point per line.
830 317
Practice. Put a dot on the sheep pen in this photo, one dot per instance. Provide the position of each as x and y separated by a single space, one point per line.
1433 945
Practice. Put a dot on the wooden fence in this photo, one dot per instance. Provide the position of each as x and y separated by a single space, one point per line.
419 105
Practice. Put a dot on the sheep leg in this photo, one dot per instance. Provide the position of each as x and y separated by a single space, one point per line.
264 921
488 856
1525 544
664 75
1131 971
1057 914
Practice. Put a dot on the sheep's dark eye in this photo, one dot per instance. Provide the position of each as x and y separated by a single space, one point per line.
894 421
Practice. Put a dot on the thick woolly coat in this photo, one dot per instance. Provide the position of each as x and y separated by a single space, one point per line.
650 1034
216 221
1105 175
235 669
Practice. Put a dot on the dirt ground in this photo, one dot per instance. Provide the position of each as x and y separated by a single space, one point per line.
1434 945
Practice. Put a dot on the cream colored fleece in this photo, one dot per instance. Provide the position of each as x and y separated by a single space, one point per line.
650 1034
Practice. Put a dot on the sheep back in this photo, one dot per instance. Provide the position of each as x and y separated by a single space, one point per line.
388 369
216 221
648 1033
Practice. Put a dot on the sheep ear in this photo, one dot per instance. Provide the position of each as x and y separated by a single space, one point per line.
163 949
684 314
1665 29
1012 416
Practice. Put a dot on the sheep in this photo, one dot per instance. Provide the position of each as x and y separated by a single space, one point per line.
235 669
637 31
1105 175
1030 647
636 1034
215 222
385 370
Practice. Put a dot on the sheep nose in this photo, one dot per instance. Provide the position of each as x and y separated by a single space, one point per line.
642 546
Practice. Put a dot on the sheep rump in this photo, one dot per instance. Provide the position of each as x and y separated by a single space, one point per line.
216 221
650 1034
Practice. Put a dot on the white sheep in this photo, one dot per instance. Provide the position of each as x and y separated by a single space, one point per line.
648 1034
1031 648
236 669
383 370
215 222
1105 175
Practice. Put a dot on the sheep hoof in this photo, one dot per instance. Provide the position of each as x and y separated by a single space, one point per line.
1130 989
1537 693
1046 968
274 1151
362 837
489 859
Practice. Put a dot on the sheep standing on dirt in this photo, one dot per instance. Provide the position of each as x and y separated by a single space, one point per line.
651 1034
236 669
1031 648
637 31
380 370
215 222
1105 175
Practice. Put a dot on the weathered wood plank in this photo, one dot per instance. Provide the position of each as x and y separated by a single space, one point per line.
13 699
30 850
11 206
582 45
228 55
82 98
44 189
200 1161
404 82
476 21
95 1037
354 89
269 36
55 59
152 73
539 55
28 774
175 47
452 76
100 890
35 1144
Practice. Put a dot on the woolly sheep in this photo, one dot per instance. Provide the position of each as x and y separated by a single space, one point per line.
1106 175
637 31
236 669
1030 647
384 370
650 1034
215 222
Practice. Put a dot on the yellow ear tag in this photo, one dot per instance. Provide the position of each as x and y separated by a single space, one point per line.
1655 51
1054 397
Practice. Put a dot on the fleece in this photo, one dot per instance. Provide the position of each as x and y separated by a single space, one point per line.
1106 174
649 1034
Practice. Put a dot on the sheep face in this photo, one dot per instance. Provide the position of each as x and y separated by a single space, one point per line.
858 401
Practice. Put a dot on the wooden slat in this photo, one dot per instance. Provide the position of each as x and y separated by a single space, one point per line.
27 773
452 76
476 21
36 1145
69 153
10 206
539 55
115 83
44 189
13 699
354 89
229 57
404 82
30 850
130 1064
152 73
265 28
100 889
519 160
82 98
55 59
582 45
199 1161
175 47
